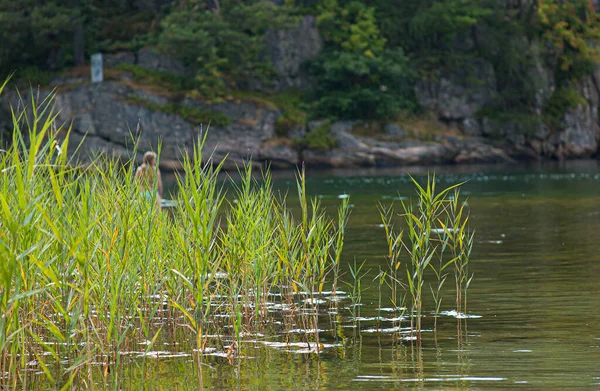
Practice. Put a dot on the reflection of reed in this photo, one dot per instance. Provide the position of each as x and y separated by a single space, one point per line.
462 355
416 354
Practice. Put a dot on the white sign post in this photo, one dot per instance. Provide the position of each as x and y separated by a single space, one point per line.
97 74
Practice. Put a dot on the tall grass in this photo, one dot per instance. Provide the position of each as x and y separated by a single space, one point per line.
436 229
91 273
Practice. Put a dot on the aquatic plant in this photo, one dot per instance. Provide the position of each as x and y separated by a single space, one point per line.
93 277
435 227
92 274
356 290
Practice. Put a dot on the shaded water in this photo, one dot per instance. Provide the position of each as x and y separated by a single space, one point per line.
536 295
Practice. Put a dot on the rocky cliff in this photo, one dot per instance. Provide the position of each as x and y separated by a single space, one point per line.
454 127
105 119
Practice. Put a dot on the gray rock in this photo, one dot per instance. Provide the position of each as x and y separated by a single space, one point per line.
537 146
581 134
298 131
542 132
459 95
471 127
150 59
482 153
337 158
426 153
347 141
542 77
278 155
339 127
361 151
287 50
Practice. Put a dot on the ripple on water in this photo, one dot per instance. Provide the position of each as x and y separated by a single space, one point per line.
443 378
459 315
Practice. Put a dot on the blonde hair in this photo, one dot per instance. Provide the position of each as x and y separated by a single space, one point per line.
149 158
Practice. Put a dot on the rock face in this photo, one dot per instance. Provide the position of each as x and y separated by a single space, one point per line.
287 50
458 96
112 60
105 120
382 151
582 125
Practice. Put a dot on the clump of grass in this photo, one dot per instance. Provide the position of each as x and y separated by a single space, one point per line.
287 122
194 115
289 102
318 139
437 228
166 80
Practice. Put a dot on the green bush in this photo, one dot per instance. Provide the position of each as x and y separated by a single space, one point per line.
352 27
35 34
563 100
284 125
318 139
34 76
356 77
570 27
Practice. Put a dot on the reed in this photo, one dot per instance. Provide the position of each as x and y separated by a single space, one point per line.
92 274
436 228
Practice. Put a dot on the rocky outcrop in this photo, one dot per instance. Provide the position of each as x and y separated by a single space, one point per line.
457 98
105 116
107 119
288 50
114 59
394 147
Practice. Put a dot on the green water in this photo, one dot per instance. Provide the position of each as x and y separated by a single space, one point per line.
535 297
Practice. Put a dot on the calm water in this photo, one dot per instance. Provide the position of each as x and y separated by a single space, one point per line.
536 294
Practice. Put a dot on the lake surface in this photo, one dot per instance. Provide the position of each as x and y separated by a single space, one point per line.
534 301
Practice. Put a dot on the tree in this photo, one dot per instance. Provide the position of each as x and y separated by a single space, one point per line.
224 47
33 34
78 34
570 27
357 77
352 85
